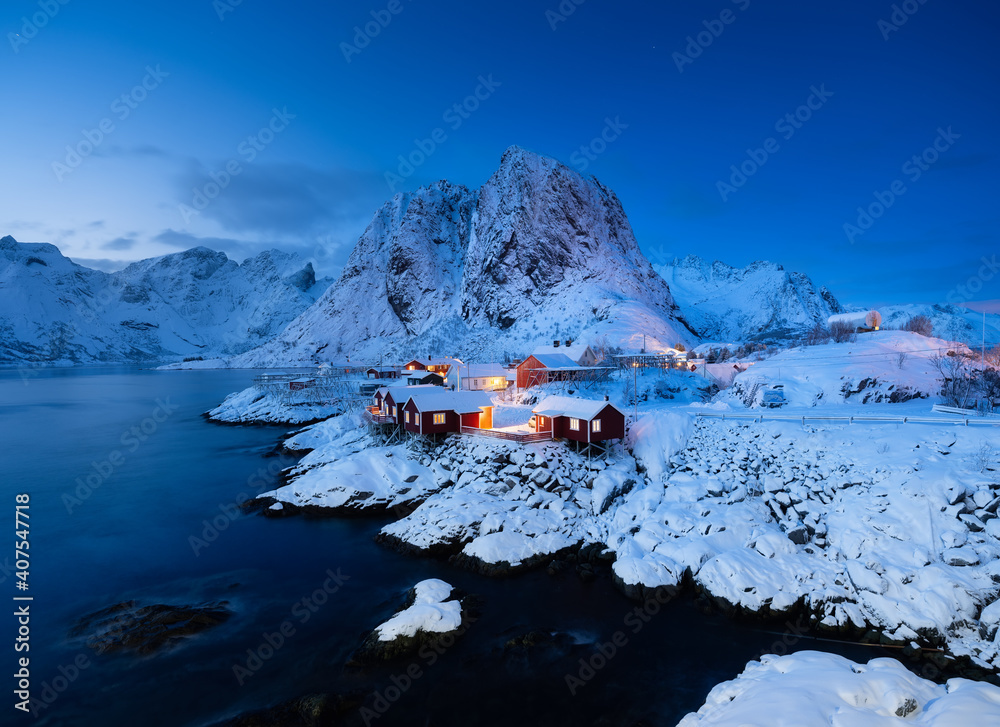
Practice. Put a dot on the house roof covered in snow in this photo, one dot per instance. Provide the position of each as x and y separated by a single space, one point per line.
460 402
555 360
571 406
436 361
574 351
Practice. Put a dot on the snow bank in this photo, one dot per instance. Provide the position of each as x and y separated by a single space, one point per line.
374 477
812 689
656 437
431 612
254 406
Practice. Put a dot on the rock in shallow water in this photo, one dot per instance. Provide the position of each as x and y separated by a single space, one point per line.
144 630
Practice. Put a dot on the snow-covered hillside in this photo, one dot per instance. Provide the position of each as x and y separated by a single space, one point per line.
538 253
192 303
883 366
761 302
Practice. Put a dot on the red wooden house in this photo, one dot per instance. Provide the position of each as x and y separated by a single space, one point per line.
382 372
388 400
443 412
579 420
536 369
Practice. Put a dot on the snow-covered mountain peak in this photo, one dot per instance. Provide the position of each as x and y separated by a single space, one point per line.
537 252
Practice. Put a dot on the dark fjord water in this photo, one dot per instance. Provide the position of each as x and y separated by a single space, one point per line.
130 538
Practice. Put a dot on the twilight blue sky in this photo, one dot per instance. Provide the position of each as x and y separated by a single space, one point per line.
313 184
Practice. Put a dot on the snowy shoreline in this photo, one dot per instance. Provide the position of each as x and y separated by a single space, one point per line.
780 521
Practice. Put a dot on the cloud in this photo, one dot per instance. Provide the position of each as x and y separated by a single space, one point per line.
120 243
285 199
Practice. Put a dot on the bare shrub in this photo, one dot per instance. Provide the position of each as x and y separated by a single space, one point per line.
817 335
919 324
901 359
984 458
843 332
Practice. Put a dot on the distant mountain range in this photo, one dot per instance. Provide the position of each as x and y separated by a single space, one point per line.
537 253
188 304
759 302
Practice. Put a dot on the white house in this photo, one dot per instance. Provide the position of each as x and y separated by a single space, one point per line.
485 377
581 353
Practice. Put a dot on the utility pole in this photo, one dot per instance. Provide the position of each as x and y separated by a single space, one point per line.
635 391
984 338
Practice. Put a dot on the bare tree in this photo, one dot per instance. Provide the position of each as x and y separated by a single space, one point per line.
601 348
958 380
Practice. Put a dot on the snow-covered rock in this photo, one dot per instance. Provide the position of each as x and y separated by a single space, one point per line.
812 689
431 612
255 405
432 616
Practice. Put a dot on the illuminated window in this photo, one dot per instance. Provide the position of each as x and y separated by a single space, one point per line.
595 426
395 412
439 418
406 414
574 424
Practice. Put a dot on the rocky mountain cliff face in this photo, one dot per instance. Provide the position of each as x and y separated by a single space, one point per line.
761 302
188 304
538 253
